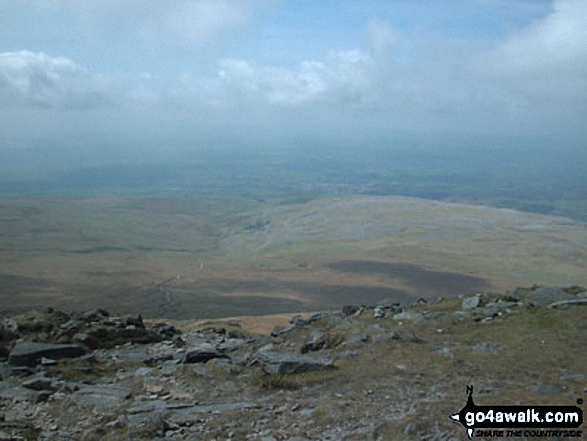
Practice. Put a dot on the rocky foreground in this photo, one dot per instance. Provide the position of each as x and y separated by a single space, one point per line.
366 373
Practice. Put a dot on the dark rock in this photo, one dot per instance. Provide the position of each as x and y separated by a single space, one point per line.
135 320
573 289
166 330
108 337
26 353
4 351
320 316
236 335
43 396
349 310
317 342
93 317
203 354
34 323
7 334
284 363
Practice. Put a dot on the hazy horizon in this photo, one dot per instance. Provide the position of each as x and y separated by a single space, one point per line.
99 75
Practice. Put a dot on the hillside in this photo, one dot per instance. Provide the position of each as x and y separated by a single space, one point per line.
383 372
214 257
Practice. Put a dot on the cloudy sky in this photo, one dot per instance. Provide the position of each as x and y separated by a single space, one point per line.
186 72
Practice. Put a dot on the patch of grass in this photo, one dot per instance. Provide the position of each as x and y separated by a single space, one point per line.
294 381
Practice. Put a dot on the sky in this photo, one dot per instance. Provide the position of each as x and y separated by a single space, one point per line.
94 75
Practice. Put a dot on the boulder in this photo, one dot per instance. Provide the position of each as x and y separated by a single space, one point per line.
378 312
414 317
349 310
547 295
136 321
203 354
27 353
106 398
317 341
471 302
286 363
279 330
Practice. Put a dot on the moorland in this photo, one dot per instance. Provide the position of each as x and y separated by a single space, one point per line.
304 229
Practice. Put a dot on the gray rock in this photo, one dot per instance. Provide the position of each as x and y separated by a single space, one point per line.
168 368
413 337
143 371
414 317
355 339
548 295
383 337
485 312
132 354
348 354
202 371
147 406
284 363
471 302
546 389
574 377
26 353
279 330
378 312
105 399
38 382
488 348
317 341
574 302
16 393
501 305
189 415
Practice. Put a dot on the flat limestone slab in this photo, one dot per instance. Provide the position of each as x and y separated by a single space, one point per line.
28 353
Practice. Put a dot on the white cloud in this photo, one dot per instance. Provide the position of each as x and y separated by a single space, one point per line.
161 22
342 77
548 59
383 37
29 78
